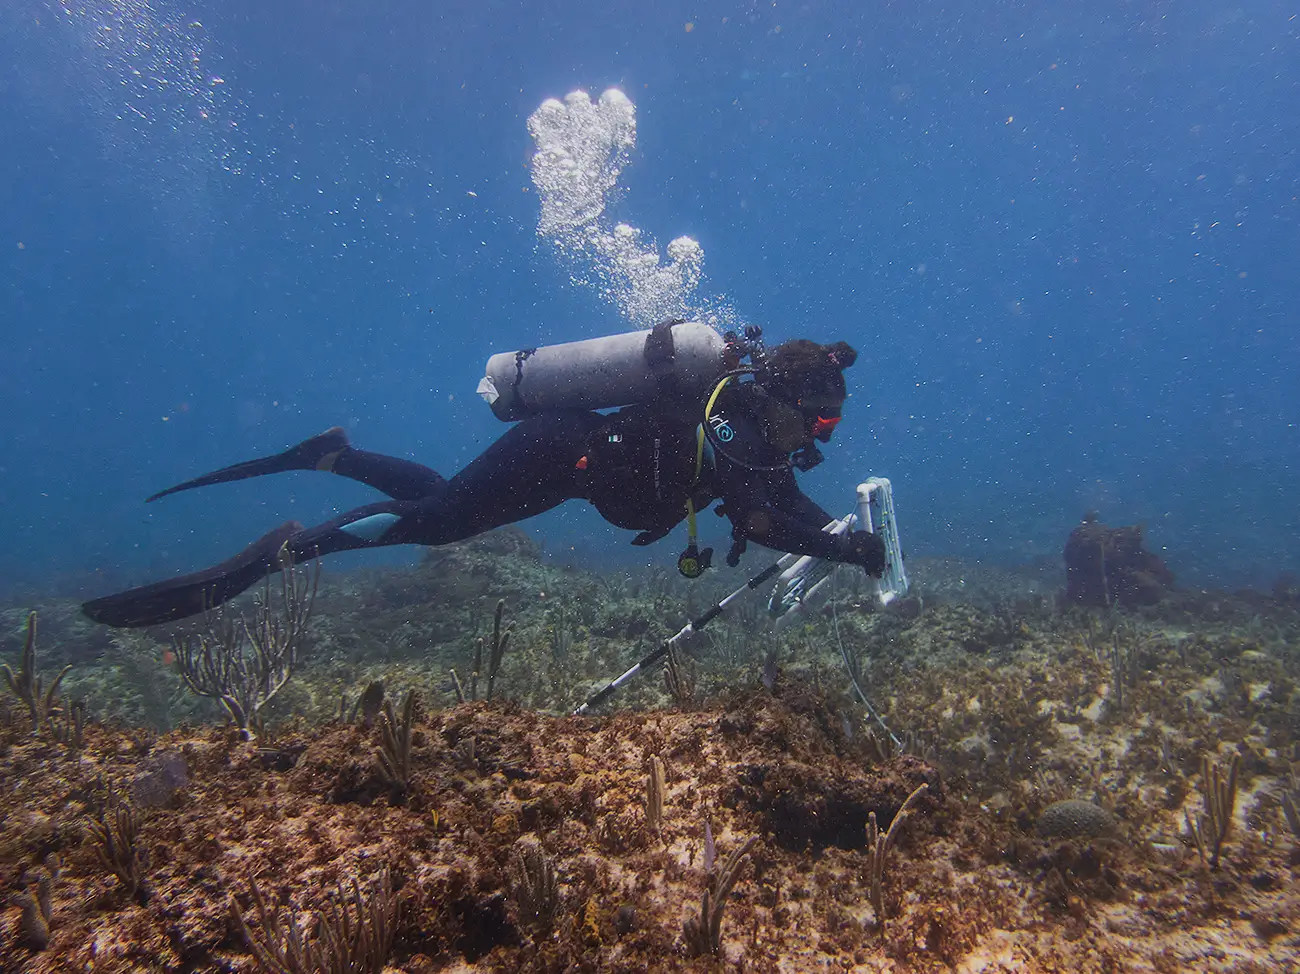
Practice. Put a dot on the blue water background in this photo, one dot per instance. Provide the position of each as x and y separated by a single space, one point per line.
1064 237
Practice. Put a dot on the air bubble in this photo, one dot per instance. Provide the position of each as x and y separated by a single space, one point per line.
581 149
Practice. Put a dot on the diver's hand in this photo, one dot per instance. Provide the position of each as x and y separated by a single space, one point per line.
865 549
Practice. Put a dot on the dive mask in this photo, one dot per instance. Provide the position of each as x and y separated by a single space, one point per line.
821 417
823 426
789 427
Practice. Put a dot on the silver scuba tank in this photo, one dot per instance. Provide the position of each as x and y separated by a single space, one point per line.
672 360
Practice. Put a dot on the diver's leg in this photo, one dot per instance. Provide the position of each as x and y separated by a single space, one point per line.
318 452
531 469
402 480
188 595
331 452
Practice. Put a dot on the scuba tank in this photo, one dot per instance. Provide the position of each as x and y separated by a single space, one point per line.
675 360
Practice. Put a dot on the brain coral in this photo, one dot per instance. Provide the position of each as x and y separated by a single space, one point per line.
1074 819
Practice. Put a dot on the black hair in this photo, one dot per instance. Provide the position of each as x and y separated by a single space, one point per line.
803 367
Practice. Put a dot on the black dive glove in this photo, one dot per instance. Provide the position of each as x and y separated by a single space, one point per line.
865 549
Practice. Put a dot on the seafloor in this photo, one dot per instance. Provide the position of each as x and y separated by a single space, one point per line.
524 839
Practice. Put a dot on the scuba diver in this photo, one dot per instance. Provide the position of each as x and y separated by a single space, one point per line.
701 428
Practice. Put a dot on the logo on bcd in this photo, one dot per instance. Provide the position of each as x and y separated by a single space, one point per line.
722 429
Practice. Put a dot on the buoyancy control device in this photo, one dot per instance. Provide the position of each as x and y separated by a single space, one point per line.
675 364
676 360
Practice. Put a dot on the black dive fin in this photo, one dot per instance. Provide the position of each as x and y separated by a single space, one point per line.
317 453
192 594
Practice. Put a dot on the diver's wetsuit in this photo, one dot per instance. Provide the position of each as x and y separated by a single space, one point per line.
538 464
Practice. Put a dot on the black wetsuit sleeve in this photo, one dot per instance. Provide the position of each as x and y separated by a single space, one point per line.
767 507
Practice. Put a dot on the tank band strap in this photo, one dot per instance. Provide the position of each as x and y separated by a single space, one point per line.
659 355
520 357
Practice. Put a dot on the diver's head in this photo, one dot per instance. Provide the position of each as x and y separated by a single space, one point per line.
805 385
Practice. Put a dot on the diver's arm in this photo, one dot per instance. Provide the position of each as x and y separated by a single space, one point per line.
774 529
803 508
771 510
767 507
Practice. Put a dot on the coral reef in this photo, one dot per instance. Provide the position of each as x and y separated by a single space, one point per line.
1073 818
1112 567
1082 790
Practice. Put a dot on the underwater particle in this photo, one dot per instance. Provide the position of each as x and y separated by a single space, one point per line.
1074 819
